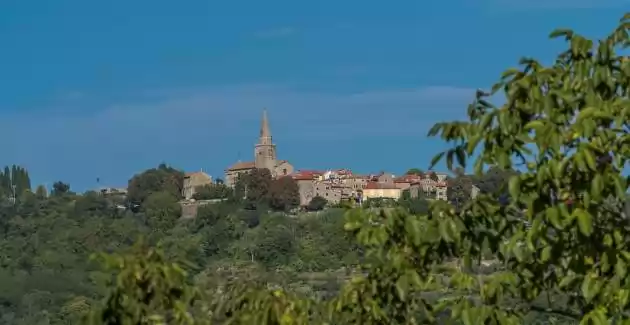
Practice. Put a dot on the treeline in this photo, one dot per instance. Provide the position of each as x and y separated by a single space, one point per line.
47 277
14 180
254 190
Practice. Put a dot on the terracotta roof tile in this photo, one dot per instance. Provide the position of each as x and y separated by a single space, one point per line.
408 179
243 165
305 175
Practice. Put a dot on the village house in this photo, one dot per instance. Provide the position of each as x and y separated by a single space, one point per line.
194 180
404 182
333 185
429 187
375 190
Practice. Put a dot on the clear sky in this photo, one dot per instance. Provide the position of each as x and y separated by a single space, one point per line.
104 89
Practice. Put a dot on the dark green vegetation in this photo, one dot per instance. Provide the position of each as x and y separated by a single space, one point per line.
549 246
47 277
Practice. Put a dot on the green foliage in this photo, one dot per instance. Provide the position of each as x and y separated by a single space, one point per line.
317 203
161 179
16 179
60 188
379 203
212 191
262 192
257 183
145 290
418 205
414 171
284 194
567 125
161 210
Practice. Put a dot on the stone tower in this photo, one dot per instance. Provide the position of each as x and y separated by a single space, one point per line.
265 151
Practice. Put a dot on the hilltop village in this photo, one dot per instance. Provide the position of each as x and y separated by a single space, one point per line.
333 185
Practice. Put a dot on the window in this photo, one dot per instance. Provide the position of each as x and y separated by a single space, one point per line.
284 171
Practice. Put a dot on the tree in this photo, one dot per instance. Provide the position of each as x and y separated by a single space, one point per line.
161 210
257 183
41 192
60 188
212 191
284 194
14 179
161 179
557 122
495 180
414 171
317 203
414 205
145 291
459 190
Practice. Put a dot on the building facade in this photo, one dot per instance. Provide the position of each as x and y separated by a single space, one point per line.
264 157
194 180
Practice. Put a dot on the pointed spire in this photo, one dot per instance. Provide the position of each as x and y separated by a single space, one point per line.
264 126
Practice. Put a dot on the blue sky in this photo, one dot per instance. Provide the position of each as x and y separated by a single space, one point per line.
111 88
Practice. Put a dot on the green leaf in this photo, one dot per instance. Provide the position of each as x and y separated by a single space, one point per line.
590 287
562 32
546 254
436 159
585 221
553 216
515 187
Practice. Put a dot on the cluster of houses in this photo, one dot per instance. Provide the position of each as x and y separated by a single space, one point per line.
342 184
332 185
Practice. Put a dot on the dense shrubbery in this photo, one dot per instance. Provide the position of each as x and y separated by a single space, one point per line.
46 275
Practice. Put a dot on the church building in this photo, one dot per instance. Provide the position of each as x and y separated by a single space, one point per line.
264 157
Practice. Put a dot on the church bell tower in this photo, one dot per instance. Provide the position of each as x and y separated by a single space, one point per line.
265 150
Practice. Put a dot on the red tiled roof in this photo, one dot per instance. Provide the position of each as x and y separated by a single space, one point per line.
305 175
243 165
408 179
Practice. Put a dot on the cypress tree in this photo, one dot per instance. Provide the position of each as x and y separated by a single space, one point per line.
27 180
7 178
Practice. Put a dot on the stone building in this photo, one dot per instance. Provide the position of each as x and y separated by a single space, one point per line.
404 182
264 157
430 188
332 185
194 180
382 190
